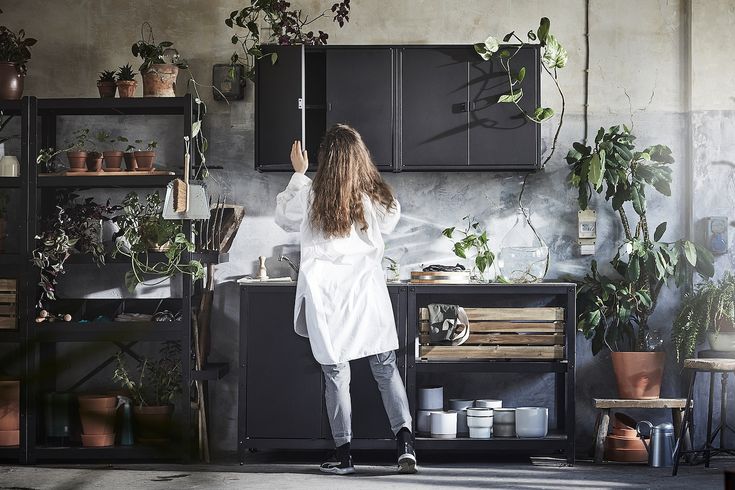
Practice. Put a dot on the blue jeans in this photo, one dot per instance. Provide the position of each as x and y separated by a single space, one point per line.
339 403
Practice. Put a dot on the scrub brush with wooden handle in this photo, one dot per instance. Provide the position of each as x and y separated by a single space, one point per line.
181 202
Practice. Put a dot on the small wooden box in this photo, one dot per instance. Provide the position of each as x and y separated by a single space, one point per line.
8 304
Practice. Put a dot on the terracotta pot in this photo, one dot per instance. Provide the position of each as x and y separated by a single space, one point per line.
97 413
3 234
11 82
9 438
107 89
130 163
77 161
96 402
144 159
113 160
160 80
638 374
126 88
98 440
152 424
9 404
94 161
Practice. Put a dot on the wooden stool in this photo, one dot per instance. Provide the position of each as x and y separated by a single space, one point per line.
712 366
605 405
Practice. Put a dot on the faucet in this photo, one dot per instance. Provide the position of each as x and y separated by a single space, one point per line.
283 258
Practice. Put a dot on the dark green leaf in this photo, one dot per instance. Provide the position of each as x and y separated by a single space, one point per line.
531 35
634 270
508 36
690 252
459 250
543 113
543 30
660 230
512 97
521 74
596 171
448 232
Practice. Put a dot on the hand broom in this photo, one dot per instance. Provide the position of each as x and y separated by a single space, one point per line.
181 187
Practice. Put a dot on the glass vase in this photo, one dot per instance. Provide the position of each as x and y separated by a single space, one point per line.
524 257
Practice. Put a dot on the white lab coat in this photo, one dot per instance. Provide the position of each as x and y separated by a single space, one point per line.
342 302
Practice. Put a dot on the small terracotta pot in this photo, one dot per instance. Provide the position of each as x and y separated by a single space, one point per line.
9 404
160 80
126 88
98 440
144 160
107 89
113 160
153 423
638 374
98 421
96 402
77 161
11 82
9 438
94 161
130 163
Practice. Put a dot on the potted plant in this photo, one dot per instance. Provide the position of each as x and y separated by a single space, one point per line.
160 65
153 391
14 54
473 236
144 159
4 200
106 84
129 156
142 229
97 415
614 309
113 158
76 150
126 83
710 310
94 157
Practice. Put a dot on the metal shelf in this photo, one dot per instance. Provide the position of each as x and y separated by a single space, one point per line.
11 107
204 257
11 259
161 106
9 336
97 181
491 366
554 441
10 182
107 331
10 453
135 452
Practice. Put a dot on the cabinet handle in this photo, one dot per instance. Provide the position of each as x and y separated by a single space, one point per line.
300 103
473 106
462 107
329 106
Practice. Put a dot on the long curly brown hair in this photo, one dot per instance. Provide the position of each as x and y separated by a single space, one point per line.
346 173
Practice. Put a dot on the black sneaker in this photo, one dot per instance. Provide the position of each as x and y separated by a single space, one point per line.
406 453
338 467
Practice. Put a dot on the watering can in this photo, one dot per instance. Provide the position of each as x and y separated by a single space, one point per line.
661 446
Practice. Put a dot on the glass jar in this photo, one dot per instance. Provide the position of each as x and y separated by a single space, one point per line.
524 257
9 166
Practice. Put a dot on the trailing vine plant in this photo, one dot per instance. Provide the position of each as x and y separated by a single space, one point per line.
473 236
287 25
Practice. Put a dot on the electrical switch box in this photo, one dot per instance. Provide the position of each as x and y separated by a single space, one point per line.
715 234
587 231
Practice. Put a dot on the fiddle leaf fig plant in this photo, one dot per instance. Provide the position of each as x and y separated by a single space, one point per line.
472 237
615 310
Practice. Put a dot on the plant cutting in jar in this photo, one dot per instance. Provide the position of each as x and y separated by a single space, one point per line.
142 229
287 27
472 237
710 310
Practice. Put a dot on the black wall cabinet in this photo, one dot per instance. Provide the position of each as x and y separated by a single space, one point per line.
417 107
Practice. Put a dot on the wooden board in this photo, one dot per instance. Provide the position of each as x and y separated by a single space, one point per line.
8 285
441 352
506 339
102 173
657 403
507 327
530 314
8 306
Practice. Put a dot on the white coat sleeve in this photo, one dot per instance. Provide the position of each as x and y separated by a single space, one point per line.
388 218
291 203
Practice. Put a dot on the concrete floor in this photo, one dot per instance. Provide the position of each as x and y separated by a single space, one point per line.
301 472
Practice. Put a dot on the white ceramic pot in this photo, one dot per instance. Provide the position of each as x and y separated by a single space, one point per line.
423 422
431 398
480 422
444 425
462 428
9 166
723 341
504 430
460 403
532 421
489 403
504 416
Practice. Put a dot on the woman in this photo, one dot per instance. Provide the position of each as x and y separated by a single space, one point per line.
342 302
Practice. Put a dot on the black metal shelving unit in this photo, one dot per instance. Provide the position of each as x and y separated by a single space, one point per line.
37 342
561 438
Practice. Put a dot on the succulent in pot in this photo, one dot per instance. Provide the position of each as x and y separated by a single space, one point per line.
14 54
160 65
126 83
76 151
106 84
145 159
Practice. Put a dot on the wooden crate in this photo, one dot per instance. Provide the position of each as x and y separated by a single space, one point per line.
502 333
8 304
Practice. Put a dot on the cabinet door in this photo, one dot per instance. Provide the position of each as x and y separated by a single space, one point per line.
360 93
434 107
500 136
279 106
283 381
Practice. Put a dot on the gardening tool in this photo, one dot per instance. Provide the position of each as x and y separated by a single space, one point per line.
201 405
661 447
195 200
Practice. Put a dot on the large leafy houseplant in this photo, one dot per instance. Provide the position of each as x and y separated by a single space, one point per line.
142 228
614 310
710 308
14 48
287 26
158 381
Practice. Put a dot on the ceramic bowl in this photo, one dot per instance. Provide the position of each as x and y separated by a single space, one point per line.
431 398
480 422
423 421
489 403
460 403
444 425
532 421
462 428
504 416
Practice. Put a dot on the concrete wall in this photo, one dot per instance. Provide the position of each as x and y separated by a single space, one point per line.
640 73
